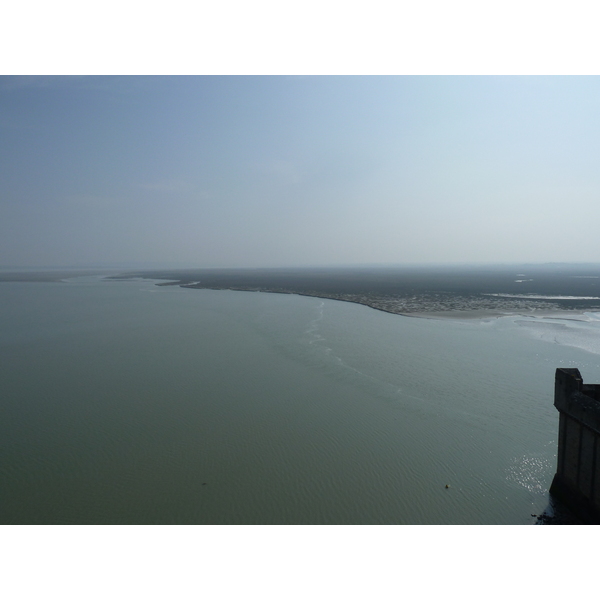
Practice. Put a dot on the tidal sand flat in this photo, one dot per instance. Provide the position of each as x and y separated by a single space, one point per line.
128 402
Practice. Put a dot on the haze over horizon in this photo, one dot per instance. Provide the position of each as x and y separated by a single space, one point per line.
298 171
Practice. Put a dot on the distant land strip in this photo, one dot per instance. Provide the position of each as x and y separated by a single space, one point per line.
50 275
450 291
463 292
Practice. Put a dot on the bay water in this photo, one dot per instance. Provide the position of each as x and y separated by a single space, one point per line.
123 402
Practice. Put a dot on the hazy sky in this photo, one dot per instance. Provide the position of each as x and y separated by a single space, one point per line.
292 171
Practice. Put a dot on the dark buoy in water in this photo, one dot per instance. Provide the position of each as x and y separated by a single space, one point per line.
447 486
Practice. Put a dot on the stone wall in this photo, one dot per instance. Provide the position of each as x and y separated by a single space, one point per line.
577 479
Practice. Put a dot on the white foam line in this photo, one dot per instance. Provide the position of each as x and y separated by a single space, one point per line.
540 297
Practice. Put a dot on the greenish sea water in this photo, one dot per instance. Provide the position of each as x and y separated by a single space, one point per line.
123 402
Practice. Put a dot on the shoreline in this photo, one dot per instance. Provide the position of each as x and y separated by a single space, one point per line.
465 314
419 304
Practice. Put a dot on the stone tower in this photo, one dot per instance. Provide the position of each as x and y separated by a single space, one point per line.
577 479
